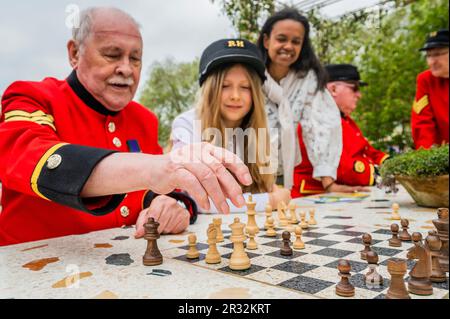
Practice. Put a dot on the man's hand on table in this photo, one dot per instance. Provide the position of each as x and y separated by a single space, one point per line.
172 218
202 170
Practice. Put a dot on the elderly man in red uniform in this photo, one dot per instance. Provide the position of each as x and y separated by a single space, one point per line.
359 159
429 119
76 154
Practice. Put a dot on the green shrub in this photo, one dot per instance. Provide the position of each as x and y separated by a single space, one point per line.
420 163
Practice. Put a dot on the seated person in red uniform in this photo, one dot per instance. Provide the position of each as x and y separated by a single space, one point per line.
429 118
358 160
76 154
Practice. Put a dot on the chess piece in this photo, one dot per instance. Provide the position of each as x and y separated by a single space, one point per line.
395 215
290 228
344 288
298 244
268 214
270 230
281 216
251 213
367 241
404 235
395 241
239 259
252 244
192 253
397 269
303 222
286 249
373 278
292 208
434 245
218 224
152 256
419 277
212 256
287 213
312 217
441 225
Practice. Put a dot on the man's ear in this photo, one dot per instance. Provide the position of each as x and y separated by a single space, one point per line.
73 49
332 89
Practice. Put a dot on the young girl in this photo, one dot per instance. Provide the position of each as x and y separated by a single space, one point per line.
230 113
296 95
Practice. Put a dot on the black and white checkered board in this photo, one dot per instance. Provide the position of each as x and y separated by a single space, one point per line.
313 270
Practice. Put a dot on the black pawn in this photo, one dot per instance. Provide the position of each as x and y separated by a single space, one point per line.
395 241
344 288
367 241
286 249
404 235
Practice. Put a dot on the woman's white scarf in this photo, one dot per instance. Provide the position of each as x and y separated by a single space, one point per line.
280 94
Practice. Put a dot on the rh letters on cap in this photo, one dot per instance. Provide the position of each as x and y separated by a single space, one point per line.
236 44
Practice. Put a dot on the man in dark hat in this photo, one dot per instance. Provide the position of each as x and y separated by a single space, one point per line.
359 158
429 119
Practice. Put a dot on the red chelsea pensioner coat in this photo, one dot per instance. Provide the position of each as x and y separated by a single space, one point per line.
52 135
356 166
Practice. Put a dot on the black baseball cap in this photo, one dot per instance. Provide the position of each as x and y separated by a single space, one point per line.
228 51
438 39
344 72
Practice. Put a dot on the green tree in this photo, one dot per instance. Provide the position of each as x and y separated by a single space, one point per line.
383 41
390 63
247 15
169 91
384 44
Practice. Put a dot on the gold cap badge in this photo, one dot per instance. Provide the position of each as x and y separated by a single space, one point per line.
236 44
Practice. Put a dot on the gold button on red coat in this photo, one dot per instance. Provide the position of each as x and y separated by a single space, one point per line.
124 211
117 142
111 127
54 161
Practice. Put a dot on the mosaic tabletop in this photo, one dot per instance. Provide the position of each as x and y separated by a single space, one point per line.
108 264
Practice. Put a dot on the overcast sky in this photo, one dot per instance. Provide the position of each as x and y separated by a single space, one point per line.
33 34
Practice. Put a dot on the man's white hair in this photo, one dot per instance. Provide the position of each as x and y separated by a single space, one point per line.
81 33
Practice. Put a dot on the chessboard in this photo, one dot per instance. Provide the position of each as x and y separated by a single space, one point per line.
313 270
110 263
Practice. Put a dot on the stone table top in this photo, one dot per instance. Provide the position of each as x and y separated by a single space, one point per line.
108 264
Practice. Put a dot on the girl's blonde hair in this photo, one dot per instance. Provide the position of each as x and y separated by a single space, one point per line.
208 110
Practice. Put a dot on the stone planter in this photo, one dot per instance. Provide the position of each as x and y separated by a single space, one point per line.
427 191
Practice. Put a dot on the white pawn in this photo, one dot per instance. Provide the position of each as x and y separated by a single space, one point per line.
192 253
286 212
290 228
292 208
270 230
303 222
312 217
298 244
252 244
268 214
218 224
395 215
281 216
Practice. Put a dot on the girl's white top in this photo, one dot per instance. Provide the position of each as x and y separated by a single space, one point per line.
186 129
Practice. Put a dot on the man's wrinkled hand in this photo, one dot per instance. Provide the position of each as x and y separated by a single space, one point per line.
172 218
